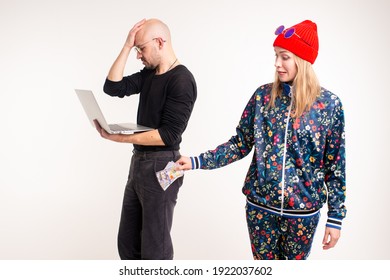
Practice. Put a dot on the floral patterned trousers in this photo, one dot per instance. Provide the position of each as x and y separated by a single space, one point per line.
275 237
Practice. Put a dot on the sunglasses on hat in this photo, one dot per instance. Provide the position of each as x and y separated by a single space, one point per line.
287 33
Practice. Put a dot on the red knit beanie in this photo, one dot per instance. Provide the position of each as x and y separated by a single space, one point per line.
303 42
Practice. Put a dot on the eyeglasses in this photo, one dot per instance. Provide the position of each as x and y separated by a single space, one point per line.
287 33
139 49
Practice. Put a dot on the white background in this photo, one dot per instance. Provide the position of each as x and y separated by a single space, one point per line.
61 185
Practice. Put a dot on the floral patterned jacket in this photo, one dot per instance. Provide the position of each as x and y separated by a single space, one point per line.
304 161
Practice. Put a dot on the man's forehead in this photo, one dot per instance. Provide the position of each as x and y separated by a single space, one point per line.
139 37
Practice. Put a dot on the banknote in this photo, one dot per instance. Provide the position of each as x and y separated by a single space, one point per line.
168 175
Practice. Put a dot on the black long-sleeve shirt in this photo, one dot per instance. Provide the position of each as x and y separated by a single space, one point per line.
166 102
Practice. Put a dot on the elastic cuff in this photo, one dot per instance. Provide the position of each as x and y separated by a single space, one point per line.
196 162
334 223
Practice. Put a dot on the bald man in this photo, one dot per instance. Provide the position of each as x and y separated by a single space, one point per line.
167 93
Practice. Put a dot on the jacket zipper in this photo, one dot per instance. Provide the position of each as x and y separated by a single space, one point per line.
285 152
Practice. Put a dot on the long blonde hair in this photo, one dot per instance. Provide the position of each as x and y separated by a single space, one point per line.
306 88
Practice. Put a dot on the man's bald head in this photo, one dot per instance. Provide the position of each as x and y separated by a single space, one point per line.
153 28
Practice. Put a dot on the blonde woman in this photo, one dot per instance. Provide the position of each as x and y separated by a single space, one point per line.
296 129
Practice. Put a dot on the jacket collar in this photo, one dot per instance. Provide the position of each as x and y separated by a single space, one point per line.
287 89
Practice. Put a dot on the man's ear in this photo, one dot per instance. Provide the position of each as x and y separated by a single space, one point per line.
161 42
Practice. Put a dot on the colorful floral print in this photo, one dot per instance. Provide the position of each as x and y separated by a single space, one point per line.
275 237
310 156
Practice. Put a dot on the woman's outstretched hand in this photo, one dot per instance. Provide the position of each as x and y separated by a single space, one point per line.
184 163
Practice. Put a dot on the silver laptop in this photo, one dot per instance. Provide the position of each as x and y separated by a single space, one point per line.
91 107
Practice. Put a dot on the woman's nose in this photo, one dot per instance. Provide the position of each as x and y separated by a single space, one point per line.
277 63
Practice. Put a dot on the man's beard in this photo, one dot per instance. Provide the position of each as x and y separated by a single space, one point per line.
150 67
